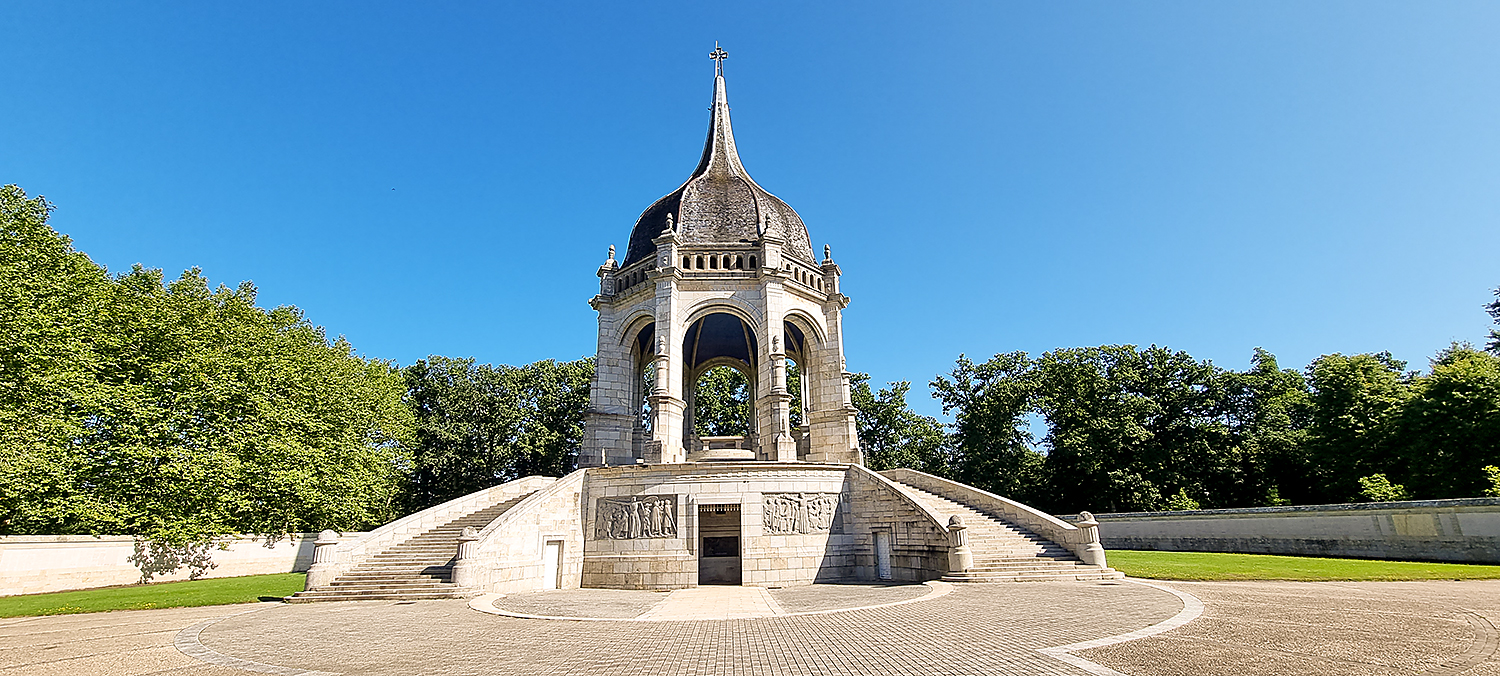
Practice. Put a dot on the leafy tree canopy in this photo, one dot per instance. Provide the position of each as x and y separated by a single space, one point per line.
480 425
177 411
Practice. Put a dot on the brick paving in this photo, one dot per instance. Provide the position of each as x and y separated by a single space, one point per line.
978 629
816 597
600 603
1247 628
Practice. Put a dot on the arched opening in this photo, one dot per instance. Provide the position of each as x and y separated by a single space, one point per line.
798 385
752 262
719 354
644 357
721 403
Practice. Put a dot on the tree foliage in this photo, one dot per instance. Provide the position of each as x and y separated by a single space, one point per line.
891 434
177 411
1494 311
1449 428
480 425
721 403
991 442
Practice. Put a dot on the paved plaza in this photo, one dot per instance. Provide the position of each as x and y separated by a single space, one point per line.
1011 628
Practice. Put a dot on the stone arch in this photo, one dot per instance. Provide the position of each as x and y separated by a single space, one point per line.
632 325
811 326
727 305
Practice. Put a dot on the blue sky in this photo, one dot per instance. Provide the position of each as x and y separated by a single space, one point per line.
445 179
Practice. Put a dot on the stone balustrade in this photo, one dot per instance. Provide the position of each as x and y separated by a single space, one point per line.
1083 542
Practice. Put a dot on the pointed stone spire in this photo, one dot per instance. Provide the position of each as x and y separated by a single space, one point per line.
719 204
720 157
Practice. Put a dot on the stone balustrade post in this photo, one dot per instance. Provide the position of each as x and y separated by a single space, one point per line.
465 568
960 557
1093 551
322 572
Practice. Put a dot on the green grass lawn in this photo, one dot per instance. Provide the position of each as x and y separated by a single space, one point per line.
1211 566
215 592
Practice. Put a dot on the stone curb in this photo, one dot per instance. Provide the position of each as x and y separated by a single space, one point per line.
486 604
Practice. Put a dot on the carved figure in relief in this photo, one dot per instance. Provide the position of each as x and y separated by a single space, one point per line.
787 513
636 517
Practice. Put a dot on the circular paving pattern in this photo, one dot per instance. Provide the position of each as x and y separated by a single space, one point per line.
1273 628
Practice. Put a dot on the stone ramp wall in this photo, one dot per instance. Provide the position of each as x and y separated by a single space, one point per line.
33 564
1466 531
1075 539
508 557
350 552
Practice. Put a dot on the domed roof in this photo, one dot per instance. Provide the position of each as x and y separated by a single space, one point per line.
720 204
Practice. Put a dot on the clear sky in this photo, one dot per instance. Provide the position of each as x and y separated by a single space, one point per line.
444 178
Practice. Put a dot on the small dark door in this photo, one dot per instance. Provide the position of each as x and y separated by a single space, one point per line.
719 544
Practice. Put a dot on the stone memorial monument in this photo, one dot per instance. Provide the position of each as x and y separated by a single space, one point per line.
718 273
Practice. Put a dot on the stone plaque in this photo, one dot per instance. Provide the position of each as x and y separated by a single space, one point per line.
796 513
645 516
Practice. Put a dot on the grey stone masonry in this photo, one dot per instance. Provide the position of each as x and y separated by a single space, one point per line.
718 273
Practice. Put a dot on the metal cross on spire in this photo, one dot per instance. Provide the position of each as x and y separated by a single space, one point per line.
718 55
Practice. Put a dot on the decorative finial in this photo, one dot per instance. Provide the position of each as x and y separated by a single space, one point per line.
670 227
718 55
827 252
611 252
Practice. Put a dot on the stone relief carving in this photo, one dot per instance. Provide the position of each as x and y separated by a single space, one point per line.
651 516
800 513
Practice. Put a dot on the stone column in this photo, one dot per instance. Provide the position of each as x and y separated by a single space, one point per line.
322 573
666 445
609 422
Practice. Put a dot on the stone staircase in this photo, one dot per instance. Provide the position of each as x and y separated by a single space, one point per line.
1007 552
415 570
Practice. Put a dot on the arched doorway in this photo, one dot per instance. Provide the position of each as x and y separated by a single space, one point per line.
719 358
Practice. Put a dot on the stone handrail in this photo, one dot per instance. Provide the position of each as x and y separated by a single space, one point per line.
347 553
880 478
507 542
1083 542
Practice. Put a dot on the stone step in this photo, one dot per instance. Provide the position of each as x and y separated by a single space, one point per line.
308 597
408 585
416 569
1008 567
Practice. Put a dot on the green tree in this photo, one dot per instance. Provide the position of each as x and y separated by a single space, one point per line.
992 441
721 403
1378 488
176 411
1449 429
1494 311
480 425
1355 402
891 435
1491 481
1127 426
1267 408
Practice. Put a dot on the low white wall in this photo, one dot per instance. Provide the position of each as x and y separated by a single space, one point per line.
1465 531
31 564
